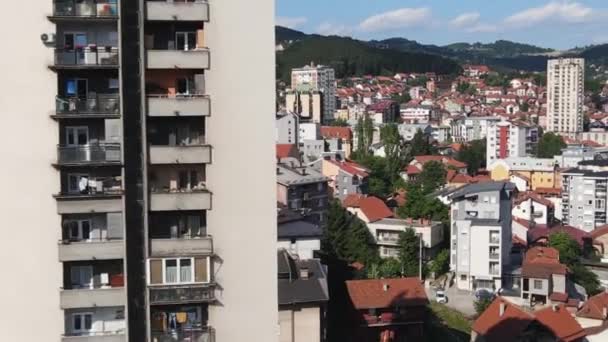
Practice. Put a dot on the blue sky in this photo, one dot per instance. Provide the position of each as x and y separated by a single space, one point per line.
559 24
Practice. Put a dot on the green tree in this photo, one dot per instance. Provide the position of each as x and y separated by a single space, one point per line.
568 248
378 186
587 279
474 155
465 88
417 82
385 268
391 139
432 176
346 237
524 107
339 123
409 252
420 204
550 145
441 263
420 145
482 304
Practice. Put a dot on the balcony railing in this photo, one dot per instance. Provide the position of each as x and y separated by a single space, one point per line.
89 154
108 104
494 256
97 187
86 8
494 239
95 336
206 334
91 56
178 294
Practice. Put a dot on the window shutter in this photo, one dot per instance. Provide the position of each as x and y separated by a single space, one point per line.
156 271
201 273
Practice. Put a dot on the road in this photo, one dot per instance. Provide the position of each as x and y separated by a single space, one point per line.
457 300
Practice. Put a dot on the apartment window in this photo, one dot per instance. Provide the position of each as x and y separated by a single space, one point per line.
188 179
185 40
463 277
538 284
493 200
82 322
185 86
179 271
79 229
600 204
76 135
344 191
81 276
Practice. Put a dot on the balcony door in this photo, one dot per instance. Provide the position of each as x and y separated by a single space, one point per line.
76 136
77 87
79 230
81 277
82 323
185 40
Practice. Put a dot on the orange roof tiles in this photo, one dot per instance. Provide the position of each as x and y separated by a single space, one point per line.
352 200
336 132
505 328
386 293
561 323
594 307
374 209
287 150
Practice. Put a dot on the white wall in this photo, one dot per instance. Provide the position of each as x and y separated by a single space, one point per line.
304 248
300 325
240 36
106 319
29 211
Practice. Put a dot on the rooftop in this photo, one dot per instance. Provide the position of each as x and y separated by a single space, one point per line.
386 293
374 209
298 176
482 187
505 327
294 287
561 323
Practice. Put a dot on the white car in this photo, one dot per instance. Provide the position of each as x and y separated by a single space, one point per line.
440 297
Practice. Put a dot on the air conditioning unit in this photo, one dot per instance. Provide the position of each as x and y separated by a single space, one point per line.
48 38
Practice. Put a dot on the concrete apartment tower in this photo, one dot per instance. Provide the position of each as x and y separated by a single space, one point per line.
314 79
566 94
130 224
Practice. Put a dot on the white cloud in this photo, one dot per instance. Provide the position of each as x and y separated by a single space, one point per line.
329 29
465 20
291 22
399 18
555 11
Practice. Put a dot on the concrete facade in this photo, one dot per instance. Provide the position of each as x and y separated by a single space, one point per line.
565 95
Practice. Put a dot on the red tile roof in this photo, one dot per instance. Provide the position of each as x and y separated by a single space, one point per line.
517 241
351 168
352 200
599 231
534 197
374 209
542 255
561 323
287 150
386 293
549 191
594 307
506 328
542 262
328 132
412 170
559 297
537 233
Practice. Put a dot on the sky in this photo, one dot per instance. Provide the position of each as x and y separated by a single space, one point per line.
558 24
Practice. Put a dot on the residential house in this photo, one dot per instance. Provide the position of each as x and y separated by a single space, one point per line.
386 233
387 309
510 139
416 166
303 297
368 209
416 114
298 233
543 277
303 188
345 177
385 111
531 206
338 139
408 131
542 173
593 316
584 195
481 235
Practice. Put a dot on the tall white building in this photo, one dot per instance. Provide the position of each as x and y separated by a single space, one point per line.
317 78
510 139
122 208
565 93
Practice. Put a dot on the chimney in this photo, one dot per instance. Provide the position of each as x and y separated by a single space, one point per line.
385 287
304 273
501 309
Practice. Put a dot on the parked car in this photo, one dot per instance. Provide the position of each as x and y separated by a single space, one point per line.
441 297
484 294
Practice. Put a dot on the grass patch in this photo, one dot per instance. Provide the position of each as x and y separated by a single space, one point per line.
452 318
447 325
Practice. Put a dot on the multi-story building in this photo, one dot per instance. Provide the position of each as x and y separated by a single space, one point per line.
307 104
317 78
416 114
128 196
302 188
345 177
480 234
297 234
534 172
584 195
287 128
386 234
510 139
565 95
472 128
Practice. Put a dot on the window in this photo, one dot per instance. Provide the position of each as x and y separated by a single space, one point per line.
345 191
185 40
82 322
76 135
78 183
178 271
463 277
81 276
538 284
78 229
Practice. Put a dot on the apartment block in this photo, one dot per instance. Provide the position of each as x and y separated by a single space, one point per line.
123 221
287 126
584 194
510 139
565 95
302 188
480 234
317 78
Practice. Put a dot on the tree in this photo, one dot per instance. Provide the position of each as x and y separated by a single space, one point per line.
441 263
404 97
339 123
482 304
409 254
465 88
550 145
474 155
432 176
365 134
568 248
346 237
391 139
587 279
385 268
420 145
524 107
420 204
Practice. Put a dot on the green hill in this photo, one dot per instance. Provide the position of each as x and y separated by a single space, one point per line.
284 34
351 57
498 49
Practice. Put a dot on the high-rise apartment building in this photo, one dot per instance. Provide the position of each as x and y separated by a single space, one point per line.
127 221
510 139
565 94
317 78
584 195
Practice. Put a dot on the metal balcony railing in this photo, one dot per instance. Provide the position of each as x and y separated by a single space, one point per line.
188 293
92 104
92 153
205 334
494 256
87 56
86 8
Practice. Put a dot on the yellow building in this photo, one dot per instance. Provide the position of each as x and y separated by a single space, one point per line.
539 173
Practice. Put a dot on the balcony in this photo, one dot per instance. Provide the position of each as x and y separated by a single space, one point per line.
102 10
181 247
181 105
186 154
105 336
494 256
184 200
101 249
388 240
178 59
95 297
177 11
93 106
100 195
91 57
92 154
206 334
182 294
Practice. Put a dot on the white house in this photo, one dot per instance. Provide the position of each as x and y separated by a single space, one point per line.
386 234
